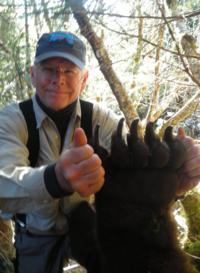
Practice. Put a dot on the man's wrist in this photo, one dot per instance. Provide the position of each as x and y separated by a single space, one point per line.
53 185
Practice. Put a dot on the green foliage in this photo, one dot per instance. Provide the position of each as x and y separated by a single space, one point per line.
192 4
191 204
14 80
193 248
11 71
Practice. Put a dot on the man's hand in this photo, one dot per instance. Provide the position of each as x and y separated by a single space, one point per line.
79 169
190 172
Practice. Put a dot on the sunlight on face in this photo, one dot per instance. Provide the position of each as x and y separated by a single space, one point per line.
58 82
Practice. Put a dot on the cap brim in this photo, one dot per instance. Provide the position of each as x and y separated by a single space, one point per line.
64 55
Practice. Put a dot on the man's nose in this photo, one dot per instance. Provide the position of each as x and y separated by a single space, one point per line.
59 77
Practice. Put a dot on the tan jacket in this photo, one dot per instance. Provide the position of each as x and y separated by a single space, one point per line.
22 188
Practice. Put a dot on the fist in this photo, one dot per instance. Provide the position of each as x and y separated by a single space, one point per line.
79 169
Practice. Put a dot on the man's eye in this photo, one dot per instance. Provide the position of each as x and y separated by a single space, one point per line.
52 71
48 69
69 71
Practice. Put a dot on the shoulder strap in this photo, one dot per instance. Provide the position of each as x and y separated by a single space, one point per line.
33 134
33 143
86 117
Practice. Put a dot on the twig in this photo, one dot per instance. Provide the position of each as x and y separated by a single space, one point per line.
186 68
189 107
148 42
171 18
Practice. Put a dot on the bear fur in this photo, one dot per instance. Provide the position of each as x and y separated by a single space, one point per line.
132 228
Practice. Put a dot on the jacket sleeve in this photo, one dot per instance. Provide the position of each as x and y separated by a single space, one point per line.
20 184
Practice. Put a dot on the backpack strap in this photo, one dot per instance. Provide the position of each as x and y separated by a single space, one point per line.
86 117
33 144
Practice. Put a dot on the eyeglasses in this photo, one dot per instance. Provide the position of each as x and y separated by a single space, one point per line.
52 71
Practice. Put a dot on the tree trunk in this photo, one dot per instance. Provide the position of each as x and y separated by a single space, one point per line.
125 103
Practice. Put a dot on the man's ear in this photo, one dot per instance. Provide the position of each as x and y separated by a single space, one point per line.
32 75
84 79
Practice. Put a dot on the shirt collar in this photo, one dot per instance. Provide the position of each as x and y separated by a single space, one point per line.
40 115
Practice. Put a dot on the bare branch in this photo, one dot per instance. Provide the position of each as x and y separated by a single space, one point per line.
190 106
183 113
170 18
46 15
155 95
124 33
186 68
105 63
137 57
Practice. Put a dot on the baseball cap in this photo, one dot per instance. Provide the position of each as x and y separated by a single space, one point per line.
61 44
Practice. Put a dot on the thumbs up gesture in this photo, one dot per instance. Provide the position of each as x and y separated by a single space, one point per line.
79 169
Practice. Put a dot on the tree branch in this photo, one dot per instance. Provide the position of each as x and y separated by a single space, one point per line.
190 106
170 18
191 56
105 63
138 54
155 95
186 68
182 114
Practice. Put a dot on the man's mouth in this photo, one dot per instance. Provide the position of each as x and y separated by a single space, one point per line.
58 92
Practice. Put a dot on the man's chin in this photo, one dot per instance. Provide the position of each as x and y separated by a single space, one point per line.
58 105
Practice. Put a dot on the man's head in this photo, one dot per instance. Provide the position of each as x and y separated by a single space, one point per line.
59 73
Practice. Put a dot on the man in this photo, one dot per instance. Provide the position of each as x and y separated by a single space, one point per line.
67 169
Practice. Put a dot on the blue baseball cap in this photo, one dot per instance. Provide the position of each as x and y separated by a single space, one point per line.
61 44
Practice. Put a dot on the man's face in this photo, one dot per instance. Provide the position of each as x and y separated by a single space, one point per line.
58 82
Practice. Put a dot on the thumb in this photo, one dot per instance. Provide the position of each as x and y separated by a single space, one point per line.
79 138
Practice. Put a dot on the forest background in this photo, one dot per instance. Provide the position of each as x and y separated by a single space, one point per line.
143 58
